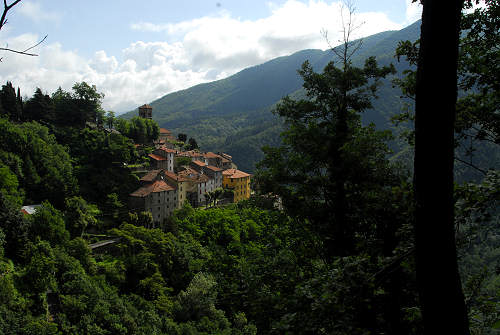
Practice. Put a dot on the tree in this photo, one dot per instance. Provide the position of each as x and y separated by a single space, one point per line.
3 20
217 194
48 224
477 124
436 93
192 145
140 130
11 102
110 119
39 108
327 155
79 215
182 137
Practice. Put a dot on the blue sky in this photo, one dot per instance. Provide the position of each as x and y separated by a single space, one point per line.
137 51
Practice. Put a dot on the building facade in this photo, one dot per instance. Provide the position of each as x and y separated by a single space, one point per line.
237 181
146 111
169 155
155 196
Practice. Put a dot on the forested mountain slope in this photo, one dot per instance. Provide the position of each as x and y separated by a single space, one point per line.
234 114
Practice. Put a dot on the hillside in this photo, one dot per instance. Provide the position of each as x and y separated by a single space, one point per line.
234 114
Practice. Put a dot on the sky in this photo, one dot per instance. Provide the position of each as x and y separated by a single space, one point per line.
138 51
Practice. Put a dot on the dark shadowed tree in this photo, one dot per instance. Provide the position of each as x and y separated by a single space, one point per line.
11 102
441 297
192 144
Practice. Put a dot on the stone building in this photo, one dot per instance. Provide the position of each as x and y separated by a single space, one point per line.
200 184
155 196
213 173
146 111
169 155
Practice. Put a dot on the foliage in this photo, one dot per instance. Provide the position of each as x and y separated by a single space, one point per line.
41 165
141 131
192 145
79 215
327 156
477 125
48 224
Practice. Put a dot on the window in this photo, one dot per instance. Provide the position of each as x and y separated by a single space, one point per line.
158 200
159 208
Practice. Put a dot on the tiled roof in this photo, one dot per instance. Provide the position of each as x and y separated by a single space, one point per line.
192 153
157 186
174 176
157 158
199 163
234 173
167 150
211 155
194 175
151 175
213 168
165 131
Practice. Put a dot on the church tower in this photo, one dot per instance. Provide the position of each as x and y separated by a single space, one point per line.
146 111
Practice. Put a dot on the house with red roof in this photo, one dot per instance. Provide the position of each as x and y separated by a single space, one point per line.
238 181
156 196
214 173
200 184
168 154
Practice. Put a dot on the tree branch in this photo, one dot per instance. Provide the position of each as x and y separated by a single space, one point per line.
471 165
3 21
6 8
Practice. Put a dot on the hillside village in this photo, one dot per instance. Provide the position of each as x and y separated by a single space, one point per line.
175 176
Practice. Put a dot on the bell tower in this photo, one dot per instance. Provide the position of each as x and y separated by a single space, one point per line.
146 111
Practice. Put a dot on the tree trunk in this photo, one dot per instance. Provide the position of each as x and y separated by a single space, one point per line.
440 290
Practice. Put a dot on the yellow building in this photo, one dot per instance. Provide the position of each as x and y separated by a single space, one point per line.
238 181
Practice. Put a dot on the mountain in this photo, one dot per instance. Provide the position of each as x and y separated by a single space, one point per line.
234 114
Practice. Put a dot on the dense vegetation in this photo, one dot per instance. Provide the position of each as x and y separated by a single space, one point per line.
325 246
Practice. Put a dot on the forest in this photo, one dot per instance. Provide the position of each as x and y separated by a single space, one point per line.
362 243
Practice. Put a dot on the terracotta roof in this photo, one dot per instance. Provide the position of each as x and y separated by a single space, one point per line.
151 175
145 106
157 158
199 163
157 186
165 131
213 168
167 150
211 155
234 173
194 175
192 153
174 176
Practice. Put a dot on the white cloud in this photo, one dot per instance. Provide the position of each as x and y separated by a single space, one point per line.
413 11
204 49
35 12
